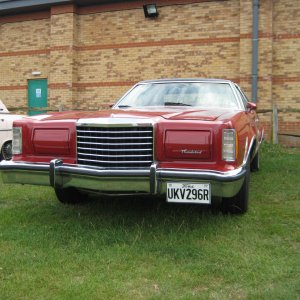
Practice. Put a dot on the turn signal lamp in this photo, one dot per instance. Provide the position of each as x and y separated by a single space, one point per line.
17 140
229 145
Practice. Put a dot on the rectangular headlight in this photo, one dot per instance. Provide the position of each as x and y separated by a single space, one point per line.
228 145
17 140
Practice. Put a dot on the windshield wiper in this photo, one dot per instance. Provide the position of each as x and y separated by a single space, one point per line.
123 106
176 104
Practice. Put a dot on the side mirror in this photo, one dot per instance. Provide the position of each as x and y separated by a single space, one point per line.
251 106
106 106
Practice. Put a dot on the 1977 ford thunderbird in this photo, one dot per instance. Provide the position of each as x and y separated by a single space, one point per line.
192 140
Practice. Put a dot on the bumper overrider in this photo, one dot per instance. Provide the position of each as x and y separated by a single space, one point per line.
151 180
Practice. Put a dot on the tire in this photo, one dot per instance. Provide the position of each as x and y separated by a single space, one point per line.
239 203
6 151
255 163
69 196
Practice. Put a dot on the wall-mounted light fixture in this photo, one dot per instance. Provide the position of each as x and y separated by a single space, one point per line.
36 73
150 11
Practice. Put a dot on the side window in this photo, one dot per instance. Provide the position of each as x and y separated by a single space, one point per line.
243 97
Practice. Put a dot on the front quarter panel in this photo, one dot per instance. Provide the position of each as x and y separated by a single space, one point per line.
211 150
249 134
44 141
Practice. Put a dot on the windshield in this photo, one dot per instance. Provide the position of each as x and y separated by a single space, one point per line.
202 94
3 109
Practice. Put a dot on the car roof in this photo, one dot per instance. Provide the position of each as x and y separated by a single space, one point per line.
170 80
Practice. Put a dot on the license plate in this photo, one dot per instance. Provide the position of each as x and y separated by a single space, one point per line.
188 192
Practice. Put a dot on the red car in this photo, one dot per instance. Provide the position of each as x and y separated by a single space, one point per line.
192 140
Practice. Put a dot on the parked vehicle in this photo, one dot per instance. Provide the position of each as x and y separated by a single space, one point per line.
193 140
6 121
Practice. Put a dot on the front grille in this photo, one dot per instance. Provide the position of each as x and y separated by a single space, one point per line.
115 147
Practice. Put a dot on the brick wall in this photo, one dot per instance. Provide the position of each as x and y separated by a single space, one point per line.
24 48
286 62
92 55
124 47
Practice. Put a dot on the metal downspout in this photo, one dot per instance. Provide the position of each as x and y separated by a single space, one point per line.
255 49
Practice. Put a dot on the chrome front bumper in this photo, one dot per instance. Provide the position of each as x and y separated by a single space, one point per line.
152 180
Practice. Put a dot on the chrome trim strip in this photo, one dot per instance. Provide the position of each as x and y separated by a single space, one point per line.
114 121
202 175
248 152
262 136
115 162
11 165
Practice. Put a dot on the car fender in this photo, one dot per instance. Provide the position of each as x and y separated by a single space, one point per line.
5 136
6 124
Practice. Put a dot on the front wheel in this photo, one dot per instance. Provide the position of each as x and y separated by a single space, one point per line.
6 151
239 203
69 196
255 162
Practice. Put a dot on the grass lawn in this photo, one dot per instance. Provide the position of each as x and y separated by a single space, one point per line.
118 248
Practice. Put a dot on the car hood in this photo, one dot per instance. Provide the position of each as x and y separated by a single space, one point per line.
169 113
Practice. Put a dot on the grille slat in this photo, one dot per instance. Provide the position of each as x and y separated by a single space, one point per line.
114 132
119 144
101 155
111 150
115 147
115 138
